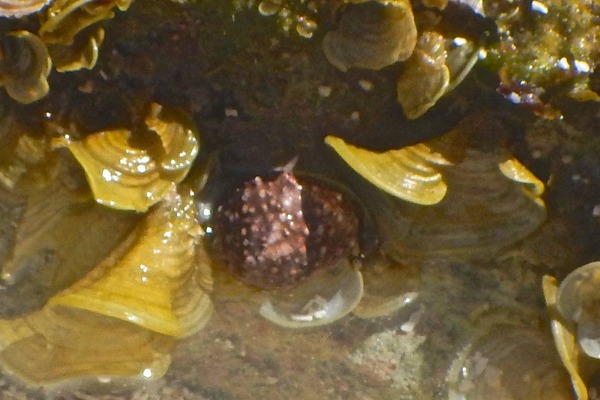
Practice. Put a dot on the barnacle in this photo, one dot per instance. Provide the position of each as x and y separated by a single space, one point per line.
24 66
577 302
126 177
153 284
20 8
389 287
372 35
411 173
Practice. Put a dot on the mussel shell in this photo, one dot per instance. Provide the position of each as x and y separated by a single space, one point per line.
275 232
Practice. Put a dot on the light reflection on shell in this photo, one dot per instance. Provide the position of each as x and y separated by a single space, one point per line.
130 178
412 173
154 285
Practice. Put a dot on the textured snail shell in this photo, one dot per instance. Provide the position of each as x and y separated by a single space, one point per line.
275 232
24 67
20 8
509 363
149 280
411 173
372 35
125 177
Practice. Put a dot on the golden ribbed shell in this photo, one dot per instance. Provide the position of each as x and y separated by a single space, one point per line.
24 66
152 286
483 209
483 200
411 173
372 35
126 177
54 345
66 18
150 280
20 8
509 363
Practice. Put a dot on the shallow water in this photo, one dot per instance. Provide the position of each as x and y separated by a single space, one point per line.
255 95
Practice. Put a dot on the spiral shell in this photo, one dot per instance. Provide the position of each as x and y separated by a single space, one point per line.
125 177
20 8
372 35
24 67
491 201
